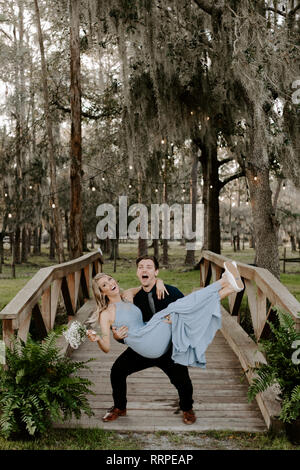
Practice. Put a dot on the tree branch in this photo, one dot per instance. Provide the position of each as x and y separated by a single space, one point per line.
205 6
6 34
231 178
294 10
279 12
85 114
226 160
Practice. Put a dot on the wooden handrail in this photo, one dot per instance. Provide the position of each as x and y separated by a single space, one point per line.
260 286
264 292
39 297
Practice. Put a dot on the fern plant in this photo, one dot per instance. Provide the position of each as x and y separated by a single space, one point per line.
280 369
39 386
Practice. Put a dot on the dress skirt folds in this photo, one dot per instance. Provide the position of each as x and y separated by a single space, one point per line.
195 321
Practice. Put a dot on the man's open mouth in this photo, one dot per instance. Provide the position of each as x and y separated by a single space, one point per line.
145 276
113 288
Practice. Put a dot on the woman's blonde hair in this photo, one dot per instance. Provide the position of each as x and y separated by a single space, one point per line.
102 301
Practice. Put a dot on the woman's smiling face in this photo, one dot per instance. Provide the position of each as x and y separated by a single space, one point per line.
108 286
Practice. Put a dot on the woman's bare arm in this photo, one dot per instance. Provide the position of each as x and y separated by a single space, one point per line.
105 323
129 294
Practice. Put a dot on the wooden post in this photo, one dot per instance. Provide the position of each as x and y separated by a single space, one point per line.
8 331
46 308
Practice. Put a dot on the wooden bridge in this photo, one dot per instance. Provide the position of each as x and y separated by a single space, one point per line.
220 391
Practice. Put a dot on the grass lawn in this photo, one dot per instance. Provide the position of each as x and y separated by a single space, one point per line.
98 439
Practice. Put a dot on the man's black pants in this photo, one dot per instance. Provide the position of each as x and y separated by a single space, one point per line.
129 362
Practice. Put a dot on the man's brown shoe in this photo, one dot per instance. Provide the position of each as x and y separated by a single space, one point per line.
189 417
113 414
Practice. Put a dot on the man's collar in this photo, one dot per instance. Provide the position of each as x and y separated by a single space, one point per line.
152 290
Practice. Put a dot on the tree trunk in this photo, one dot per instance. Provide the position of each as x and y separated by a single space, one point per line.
52 164
1 251
13 257
52 243
36 241
75 152
190 254
165 247
293 242
24 245
211 190
156 248
264 222
17 240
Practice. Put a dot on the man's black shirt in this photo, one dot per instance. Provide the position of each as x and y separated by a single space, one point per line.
141 300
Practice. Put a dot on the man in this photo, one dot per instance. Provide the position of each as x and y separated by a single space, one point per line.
129 361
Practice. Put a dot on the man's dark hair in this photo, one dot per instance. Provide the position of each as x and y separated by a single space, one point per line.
152 258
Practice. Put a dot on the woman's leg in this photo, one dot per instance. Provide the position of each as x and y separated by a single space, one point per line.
226 287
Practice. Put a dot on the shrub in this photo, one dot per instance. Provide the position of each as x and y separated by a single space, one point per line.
38 386
280 368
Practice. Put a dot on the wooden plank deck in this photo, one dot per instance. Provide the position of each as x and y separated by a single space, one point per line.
220 396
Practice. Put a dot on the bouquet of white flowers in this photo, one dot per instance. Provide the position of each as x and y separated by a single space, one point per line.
75 334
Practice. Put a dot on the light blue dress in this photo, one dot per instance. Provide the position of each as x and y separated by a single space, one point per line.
195 321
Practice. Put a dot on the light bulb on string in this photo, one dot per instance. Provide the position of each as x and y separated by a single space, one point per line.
5 195
130 167
156 190
9 215
53 206
162 141
255 178
93 188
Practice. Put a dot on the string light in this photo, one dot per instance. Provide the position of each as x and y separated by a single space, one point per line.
130 186
30 187
130 167
156 190
93 188
255 178
162 141
53 206
211 186
6 195
9 216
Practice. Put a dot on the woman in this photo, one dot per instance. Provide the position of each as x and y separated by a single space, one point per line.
190 322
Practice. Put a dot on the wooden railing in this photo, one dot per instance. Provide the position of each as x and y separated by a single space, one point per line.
39 298
264 292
